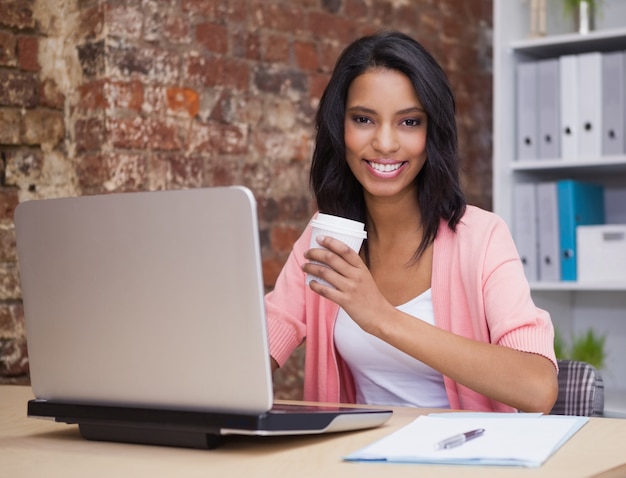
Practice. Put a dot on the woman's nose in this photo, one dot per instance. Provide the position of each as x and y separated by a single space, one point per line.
385 140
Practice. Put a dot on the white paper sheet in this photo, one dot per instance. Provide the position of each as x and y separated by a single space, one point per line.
514 439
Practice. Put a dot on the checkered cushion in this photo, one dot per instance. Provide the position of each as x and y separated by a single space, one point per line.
581 390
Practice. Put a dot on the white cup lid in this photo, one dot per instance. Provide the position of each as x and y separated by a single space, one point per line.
325 220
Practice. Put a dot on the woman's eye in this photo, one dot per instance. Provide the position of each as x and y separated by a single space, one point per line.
361 119
412 122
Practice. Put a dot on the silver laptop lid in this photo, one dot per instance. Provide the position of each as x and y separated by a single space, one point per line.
146 299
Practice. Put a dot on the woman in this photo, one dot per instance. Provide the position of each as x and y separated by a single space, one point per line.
435 310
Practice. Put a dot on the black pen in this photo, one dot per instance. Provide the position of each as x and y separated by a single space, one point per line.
459 439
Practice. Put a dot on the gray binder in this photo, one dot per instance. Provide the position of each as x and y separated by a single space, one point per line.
526 109
549 109
613 103
525 227
548 226
568 79
590 105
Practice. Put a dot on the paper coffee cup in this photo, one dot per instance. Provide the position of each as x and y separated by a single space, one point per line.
347 231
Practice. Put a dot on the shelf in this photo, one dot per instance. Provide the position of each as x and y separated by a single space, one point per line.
612 164
572 43
572 286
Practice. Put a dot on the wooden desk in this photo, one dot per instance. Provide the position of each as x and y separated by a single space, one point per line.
31 447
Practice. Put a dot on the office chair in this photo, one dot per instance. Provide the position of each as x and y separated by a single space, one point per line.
581 390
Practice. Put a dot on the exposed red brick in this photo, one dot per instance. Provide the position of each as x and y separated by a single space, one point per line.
271 269
91 56
8 49
17 14
9 282
125 94
23 166
325 25
203 71
18 89
90 134
382 13
247 45
206 8
306 55
92 95
228 139
8 251
8 202
177 30
124 21
183 100
222 173
43 127
11 121
236 11
127 133
124 172
275 48
213 37
13 357
357 9
91 22
317 84
285 17
283 238
91 172
186 171
162 135
27 52
328 52
235 74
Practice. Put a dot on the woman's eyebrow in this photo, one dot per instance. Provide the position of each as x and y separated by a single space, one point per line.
365 109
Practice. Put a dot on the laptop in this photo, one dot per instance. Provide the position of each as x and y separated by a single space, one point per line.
145 320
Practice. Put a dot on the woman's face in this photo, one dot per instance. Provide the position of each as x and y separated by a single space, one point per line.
385 133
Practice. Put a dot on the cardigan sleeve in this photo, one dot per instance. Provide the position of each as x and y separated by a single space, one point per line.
512 316
285 305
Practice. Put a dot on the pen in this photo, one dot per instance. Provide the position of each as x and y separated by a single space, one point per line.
459 439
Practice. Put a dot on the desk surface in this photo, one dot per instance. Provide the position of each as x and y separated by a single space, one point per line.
31 447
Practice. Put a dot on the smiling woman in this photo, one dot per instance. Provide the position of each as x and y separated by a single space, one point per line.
434 310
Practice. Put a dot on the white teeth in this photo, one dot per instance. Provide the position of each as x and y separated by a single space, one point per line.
385 168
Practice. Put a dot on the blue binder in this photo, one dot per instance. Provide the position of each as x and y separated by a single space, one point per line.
579 204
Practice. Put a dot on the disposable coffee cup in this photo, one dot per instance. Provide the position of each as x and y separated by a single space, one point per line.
351 233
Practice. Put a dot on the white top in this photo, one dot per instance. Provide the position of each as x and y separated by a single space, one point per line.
383 374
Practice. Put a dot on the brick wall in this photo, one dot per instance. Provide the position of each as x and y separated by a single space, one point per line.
102 96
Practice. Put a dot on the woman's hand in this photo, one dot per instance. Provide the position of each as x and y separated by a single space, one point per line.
353 288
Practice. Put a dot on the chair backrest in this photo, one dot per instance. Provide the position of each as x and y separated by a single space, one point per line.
581 390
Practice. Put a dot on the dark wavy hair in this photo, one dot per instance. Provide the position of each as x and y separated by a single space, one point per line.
439 192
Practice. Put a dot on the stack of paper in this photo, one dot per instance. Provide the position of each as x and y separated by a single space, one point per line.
513 439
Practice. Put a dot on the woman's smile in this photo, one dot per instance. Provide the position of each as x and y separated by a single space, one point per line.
385 169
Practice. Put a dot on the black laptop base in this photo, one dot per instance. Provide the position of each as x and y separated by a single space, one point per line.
189 429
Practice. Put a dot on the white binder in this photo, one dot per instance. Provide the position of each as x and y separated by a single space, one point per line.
549 237
613 103
590 104
525 227
568 79
526 108
549 109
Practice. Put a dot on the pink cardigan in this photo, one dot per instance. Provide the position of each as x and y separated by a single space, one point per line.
479 291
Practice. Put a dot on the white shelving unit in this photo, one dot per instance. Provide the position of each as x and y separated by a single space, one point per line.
574 307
